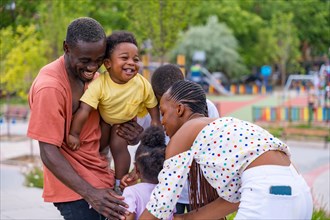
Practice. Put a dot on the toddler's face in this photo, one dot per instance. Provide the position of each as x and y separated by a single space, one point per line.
123 63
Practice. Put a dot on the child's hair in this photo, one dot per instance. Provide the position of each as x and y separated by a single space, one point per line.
164 77
118 37
150 154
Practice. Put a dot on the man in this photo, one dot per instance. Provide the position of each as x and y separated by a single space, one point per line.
79 183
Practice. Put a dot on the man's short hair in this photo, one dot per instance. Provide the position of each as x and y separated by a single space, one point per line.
164 77
118 37
84 29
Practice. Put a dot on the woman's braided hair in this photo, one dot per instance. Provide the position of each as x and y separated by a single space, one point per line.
192 95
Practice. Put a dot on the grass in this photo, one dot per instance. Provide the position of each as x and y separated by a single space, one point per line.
317 215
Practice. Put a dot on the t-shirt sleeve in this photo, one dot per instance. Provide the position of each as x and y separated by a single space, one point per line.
171 182
212 109
130 199
92 95
47 119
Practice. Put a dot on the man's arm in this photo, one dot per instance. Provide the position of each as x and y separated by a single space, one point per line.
104 201
130 131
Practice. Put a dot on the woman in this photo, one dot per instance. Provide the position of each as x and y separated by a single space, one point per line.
240 166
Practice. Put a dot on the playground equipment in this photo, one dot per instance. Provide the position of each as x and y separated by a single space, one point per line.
212 81
293 78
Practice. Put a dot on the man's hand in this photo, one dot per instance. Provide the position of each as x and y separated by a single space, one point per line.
129 179
130 131
107 203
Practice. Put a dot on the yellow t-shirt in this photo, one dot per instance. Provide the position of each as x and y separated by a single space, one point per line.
118 103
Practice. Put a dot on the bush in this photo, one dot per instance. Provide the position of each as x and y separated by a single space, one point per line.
34 177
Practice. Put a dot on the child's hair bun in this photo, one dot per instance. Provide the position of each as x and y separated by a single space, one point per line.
153 137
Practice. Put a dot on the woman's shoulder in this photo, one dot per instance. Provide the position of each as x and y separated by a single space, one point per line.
183 139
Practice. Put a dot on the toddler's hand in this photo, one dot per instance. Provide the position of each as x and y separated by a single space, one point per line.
73 142
129 179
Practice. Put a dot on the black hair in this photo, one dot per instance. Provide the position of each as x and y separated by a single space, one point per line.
150 154
193 95
164 77
118 37
84 29
190 94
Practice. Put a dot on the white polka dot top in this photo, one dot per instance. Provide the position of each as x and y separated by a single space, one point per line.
223 149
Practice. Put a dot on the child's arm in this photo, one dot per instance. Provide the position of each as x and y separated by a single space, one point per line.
78 122
131 216
154 114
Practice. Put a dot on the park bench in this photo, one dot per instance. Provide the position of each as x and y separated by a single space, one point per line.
16 113
287 131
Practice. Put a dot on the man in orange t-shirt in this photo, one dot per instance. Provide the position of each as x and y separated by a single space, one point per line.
79 183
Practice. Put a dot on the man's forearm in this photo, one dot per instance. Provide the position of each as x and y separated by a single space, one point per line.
62 169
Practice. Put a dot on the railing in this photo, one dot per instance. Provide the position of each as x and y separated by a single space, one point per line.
291 114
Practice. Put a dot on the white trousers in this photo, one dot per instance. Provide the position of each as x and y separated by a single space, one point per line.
259 200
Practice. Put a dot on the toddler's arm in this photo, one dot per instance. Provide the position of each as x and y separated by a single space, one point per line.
78 122
154 114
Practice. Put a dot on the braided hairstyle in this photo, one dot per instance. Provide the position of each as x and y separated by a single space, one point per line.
150 154
164 77
84 29
192 95
118 37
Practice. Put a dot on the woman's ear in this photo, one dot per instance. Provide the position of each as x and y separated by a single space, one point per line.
180 109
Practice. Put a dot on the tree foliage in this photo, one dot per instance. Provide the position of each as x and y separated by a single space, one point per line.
22 63
160 21
300 29
219 44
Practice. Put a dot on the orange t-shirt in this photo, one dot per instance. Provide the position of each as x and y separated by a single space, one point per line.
50 101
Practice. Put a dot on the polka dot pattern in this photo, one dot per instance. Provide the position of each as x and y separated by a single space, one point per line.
224 148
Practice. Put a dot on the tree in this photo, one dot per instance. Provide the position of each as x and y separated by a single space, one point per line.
278 43
160 21
22 61
219 44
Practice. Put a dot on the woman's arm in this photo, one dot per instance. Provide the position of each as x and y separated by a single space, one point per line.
217 209
147 216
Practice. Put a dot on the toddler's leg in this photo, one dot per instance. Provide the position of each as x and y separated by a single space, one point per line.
120 154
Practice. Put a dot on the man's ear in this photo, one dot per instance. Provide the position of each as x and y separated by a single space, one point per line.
65 47
180 109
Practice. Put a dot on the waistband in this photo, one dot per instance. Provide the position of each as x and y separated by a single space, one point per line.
270 170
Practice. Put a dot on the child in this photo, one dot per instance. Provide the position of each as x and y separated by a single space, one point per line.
149 159
120 95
